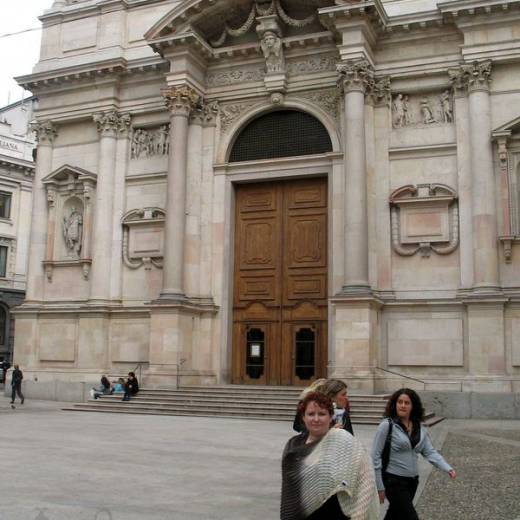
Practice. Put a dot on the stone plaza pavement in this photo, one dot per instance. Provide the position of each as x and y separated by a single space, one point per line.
58 465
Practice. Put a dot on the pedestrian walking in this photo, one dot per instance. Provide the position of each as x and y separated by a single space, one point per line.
16 384
326 472
398 441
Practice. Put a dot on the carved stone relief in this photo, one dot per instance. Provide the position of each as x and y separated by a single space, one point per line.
147 142
231 112
246 74
261 9
312 64
422 110
143 238
424 218
327 99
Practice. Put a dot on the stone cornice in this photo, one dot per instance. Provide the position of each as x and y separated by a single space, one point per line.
88 72
458 8
14 165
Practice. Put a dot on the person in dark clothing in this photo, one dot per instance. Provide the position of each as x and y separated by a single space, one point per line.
336 390
131 386
16 384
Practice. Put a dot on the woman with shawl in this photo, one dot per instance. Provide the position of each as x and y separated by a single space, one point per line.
326 473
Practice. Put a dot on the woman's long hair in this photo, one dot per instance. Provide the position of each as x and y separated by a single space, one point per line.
105 382
417 413
331 387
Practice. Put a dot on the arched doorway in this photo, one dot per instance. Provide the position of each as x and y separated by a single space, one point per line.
280 267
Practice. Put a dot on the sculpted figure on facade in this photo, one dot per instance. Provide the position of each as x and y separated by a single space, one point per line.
73 231
426 112
399 111
446 107
271 45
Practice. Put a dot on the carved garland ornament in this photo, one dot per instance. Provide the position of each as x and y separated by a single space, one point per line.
424 218
256 10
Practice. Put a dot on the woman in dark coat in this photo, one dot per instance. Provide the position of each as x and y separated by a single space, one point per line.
131 386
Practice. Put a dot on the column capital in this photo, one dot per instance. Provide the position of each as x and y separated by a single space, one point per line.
44 131
355 75
470 77
211 111
378 92
180 100
112 122
197 115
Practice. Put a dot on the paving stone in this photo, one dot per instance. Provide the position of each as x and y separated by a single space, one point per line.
487 483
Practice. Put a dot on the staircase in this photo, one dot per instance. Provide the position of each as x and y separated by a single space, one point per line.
230 401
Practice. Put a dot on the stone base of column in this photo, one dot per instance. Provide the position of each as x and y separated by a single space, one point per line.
355 340
170 297
360 289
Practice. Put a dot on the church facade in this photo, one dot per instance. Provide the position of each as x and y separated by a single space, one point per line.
270 191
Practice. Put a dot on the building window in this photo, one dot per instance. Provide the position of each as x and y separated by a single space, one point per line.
3 260
5 204
284 133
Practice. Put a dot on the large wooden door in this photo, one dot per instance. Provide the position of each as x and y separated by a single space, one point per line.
280 282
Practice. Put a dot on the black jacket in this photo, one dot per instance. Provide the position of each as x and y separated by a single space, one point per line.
17 377
132 386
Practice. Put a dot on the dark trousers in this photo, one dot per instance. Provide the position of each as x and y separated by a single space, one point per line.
17 389
400 492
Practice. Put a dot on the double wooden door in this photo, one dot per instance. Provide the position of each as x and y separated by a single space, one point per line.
280 282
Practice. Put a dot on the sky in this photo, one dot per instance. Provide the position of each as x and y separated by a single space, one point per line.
18 52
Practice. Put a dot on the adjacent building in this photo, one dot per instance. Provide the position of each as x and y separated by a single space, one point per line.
17 146
270 191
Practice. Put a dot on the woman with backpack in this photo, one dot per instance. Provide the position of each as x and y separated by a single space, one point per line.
404 437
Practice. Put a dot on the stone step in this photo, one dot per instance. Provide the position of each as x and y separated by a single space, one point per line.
242 402
286 411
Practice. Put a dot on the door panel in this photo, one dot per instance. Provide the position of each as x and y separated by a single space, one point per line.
280 282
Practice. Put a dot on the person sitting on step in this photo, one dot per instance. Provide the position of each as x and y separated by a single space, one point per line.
131 386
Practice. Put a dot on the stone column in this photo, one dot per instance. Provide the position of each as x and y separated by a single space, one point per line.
462 126
194 197
109 124
45 135
180 101
476 78
122 157
206 192
355 78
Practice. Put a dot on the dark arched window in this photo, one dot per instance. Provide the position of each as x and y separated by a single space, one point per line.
284 133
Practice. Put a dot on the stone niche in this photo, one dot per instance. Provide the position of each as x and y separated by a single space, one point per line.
143 238
70 195
424 218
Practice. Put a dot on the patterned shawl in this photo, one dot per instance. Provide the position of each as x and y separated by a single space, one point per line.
336 464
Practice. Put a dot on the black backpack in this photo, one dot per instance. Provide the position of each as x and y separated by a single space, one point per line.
385 455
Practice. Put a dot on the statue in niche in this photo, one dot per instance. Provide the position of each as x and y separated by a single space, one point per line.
400 109
446 108
271 45
426 112
406 108
73 231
